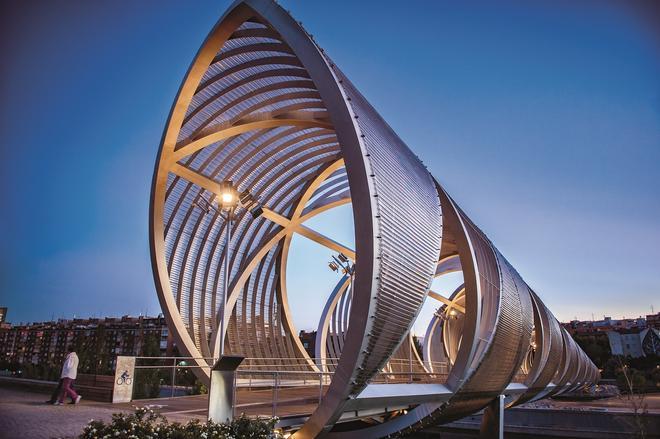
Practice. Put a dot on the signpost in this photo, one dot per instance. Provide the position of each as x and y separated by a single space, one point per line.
124 376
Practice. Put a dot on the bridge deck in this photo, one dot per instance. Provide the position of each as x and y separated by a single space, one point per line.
291 401
300 401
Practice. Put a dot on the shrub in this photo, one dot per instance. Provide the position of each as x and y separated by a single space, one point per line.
199 388
145 424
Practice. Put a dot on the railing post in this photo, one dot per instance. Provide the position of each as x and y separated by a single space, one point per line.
501 413
275 377
233 397
173 375
320 386
410 342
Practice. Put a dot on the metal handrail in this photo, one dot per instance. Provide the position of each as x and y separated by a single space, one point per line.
277 369
251 377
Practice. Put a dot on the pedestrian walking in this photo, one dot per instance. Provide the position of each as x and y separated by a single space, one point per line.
56 393
68 376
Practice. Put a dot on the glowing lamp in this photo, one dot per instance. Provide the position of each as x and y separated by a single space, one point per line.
228 196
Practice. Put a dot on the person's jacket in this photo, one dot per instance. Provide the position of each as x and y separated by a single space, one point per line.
70 367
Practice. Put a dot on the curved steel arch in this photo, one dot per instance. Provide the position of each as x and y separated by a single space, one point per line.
263 106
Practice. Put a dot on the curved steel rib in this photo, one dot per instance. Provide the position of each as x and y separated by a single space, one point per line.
262 105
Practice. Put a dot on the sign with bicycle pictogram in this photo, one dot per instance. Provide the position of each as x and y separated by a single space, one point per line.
124 373
125 379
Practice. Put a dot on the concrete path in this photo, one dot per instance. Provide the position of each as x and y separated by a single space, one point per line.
23 415
616 404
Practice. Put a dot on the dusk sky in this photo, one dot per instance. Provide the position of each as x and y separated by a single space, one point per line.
541 119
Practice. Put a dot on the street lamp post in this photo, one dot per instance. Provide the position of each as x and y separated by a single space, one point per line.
225 283
225 204
228 203
341 263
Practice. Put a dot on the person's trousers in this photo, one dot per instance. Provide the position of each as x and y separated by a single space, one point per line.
55 396
56 393
67 390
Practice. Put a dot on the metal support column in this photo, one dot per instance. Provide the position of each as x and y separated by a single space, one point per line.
223 388
492 423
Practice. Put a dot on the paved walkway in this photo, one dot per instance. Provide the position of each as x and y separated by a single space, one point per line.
24 415
616 404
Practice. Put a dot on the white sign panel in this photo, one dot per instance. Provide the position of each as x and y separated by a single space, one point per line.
124 375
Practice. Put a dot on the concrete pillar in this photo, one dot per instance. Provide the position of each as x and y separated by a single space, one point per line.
492 423
221 392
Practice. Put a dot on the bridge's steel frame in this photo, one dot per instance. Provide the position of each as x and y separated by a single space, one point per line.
262 105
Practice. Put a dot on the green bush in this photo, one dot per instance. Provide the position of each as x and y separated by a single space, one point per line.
631 381
199 388
147 384
145 424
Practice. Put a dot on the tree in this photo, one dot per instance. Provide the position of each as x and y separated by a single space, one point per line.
147 381
596 346
632 381
93 353
418 346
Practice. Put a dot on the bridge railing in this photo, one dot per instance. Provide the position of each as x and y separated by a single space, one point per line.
264 386
166 377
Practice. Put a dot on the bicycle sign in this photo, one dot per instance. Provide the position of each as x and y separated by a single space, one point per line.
125 378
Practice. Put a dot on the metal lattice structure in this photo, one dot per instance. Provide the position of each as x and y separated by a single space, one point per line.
263 106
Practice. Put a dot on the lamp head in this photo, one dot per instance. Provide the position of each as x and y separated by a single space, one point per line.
228 196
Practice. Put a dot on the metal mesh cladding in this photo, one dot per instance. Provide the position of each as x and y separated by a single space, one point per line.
505 331
549 348
253 77
408 232
265 108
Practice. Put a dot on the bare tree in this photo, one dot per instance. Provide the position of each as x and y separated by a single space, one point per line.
636 397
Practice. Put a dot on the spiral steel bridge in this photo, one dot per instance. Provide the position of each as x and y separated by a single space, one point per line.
264 107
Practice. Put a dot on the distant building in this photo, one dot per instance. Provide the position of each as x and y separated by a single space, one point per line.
635 343
625 344
650 341
45 344
582 327
308 340
3 314
653 321
636 337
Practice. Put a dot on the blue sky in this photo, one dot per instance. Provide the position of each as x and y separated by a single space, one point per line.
542 120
